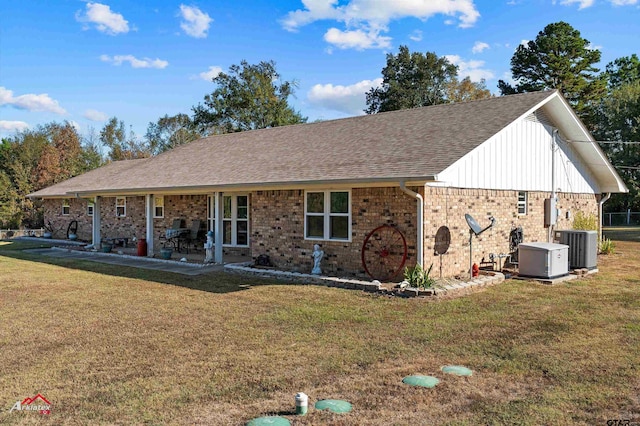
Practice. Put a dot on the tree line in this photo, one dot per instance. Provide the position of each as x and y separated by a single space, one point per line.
253 96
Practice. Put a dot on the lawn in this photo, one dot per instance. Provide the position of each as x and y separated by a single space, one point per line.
132 346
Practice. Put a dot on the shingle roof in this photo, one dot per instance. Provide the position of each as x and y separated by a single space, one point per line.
417 143
90 180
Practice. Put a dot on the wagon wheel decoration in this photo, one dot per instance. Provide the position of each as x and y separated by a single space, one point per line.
384 253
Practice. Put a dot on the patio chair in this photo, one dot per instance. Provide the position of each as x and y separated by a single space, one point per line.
192 238
171 238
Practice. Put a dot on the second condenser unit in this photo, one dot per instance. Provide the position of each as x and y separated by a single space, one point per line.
583 247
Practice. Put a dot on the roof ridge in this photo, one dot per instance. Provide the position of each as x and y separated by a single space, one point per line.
384 113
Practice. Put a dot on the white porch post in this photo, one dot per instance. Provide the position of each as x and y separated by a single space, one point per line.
149 224
217 255
95 234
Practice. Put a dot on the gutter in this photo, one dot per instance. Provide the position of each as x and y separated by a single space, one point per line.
420 209
600 203
255 186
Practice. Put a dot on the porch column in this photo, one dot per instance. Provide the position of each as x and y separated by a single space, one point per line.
217 255
149 224
96 223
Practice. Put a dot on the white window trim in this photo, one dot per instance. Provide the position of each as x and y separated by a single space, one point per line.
234 220
124 206
327 215
211 218
91 206
156 206
523 204
67 204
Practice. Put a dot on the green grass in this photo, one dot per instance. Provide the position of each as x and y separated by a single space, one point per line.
128 345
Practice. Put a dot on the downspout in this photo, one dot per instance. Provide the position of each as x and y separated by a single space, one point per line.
600 217
552 204
420 208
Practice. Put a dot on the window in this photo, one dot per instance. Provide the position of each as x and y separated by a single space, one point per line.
158 206
327 215
90 206
121 206
66 208
235 220
522 202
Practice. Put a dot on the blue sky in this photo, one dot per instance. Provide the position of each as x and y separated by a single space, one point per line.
88 61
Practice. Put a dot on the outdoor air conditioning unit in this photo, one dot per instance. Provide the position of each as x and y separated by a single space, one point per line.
543 260
583 247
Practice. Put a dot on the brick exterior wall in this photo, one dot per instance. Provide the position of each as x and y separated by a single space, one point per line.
60 222
128 226
185 207
278 228
276 225
447 206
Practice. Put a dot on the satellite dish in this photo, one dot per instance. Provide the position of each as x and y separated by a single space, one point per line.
443 240
473 225
475 228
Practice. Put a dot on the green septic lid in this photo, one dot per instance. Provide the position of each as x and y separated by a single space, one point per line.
418 380
458 370
269 420
334 405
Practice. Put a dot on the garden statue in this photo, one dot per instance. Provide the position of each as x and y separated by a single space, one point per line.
317 258
208 246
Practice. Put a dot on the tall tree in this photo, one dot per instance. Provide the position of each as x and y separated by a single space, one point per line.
33 159
248 97
170 132
559 58
92 156
467 90
411 80
619 121
623 71
122 146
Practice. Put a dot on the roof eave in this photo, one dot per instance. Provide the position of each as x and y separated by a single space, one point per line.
242 187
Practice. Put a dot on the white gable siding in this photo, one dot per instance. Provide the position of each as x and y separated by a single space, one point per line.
519 158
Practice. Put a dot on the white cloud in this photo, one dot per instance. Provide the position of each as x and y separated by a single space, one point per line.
368 19
104 19
211 73
583 3
350 99
135 62
479 46
624 2
195 22
416 35
94 115
30 102
357 39
12 126
472 69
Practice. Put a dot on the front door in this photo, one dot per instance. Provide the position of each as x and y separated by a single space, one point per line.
235 219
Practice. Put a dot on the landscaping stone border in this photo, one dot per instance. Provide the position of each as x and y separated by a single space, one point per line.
456 288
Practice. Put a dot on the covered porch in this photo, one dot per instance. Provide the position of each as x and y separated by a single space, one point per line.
179 222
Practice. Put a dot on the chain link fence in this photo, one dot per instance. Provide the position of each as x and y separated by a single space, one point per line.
628 218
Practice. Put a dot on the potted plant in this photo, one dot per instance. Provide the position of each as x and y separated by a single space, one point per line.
166 252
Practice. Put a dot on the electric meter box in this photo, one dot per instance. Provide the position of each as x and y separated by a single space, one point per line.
543 260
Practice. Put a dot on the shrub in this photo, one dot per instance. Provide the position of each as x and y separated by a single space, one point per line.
418 277
584 222
606 246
